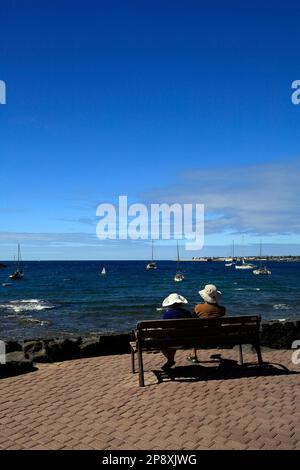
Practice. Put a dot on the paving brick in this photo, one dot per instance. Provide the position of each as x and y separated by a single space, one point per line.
95 403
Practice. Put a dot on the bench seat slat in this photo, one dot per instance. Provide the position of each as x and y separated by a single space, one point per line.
195 342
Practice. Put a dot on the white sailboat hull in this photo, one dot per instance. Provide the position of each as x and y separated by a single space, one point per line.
151 266
245 266
262 272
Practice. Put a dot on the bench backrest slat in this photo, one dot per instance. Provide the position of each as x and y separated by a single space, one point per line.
154 334
185 323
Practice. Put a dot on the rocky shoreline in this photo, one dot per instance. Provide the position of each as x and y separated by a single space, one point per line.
22 355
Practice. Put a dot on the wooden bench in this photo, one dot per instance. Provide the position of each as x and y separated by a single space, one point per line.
155 335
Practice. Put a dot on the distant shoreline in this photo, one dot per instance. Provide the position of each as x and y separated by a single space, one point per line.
6 263
247 258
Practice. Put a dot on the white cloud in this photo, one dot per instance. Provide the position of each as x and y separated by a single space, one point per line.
259 199
49 238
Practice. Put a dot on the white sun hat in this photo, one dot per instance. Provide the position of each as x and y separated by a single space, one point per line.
210 294
174 299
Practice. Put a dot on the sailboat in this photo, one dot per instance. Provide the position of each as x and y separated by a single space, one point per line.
230 261
103 272
151 264
262 271
178 276
19 272
244 265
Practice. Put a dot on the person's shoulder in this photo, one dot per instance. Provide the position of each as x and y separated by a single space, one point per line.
198 307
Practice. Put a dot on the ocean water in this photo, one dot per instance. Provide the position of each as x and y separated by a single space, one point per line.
70 297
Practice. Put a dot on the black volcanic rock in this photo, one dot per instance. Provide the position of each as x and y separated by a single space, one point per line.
31 347
90 347
16 364
63 349
278 334
12 346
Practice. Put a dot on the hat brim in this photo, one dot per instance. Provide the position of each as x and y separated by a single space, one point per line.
169 303
205 296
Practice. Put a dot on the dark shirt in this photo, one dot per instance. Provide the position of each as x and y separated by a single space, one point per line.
176 313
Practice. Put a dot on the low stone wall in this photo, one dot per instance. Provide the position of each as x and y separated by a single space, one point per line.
51 350
21 356
279 334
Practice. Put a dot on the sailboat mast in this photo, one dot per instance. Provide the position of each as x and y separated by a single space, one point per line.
18 265
177 268
260 254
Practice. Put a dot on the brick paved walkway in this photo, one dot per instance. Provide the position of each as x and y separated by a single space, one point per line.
96 403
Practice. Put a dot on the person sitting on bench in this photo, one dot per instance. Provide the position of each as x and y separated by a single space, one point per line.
209 309
174 310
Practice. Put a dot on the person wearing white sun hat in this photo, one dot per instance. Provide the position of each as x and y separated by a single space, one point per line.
209 309
174 310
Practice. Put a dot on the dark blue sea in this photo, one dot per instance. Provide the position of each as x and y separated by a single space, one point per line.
70 297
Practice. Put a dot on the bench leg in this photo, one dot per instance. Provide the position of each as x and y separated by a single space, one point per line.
258 352
241 355
141 369
132 361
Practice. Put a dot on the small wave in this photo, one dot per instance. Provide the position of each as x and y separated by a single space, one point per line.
248 288
28 319
35 321
20 306
159 309
281 307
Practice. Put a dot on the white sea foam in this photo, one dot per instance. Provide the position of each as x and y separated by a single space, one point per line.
247 288
282 307
22 306
158 309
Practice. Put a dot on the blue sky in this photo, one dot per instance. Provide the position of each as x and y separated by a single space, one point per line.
158 100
